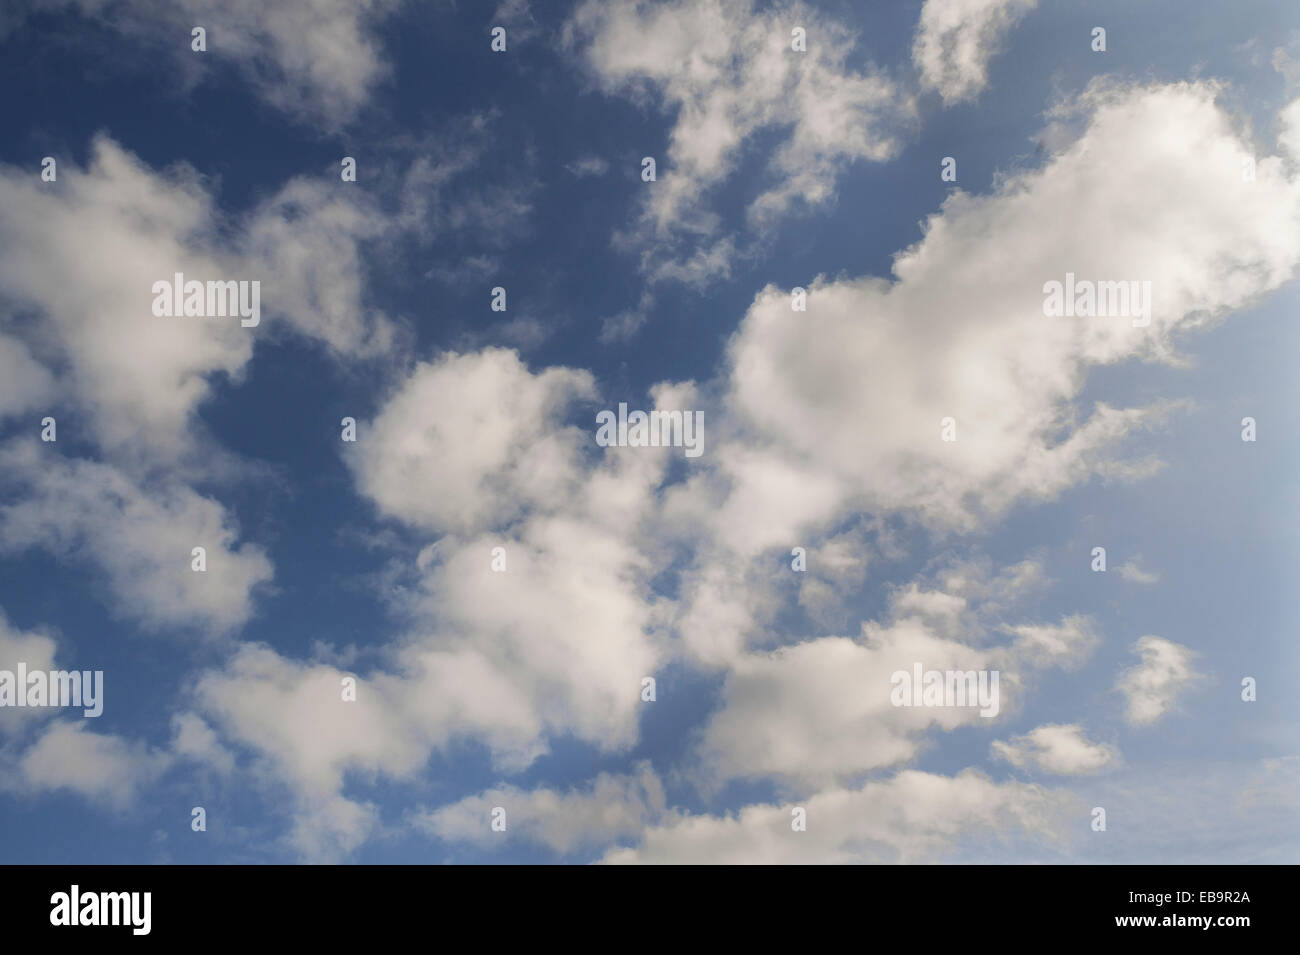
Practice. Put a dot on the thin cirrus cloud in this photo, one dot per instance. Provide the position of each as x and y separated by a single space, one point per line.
1132 572
316 60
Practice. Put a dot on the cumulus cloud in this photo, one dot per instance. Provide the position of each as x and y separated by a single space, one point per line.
119 227
554 643
911 817
102 767
824 431
65 754
427 462
964 315
195 740
955 39
727 72
293 714
139 537
570 624
135 381
834 719
36 650
1153 686
837 718
1060 749
304 245
611 809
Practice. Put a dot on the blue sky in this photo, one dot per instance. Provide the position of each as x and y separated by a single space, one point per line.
522 689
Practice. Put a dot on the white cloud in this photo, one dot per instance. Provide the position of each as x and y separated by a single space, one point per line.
961 332
838 569
99 766
432 185
194 739
556 644
135 382
727 72
140 537
65 753
425 460
610 809
1066 642
1131 572
570 624
588 166
836 718
36 650
119 227
911 817
955 39
317 60
294 716
304 245
1154 685
1061 749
